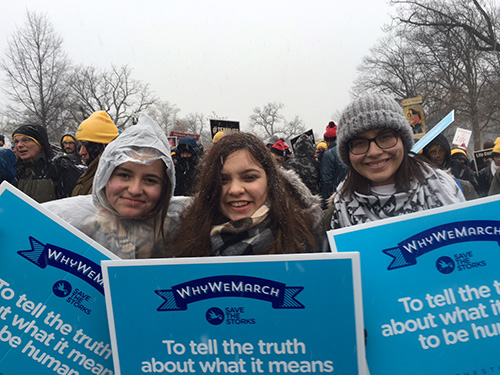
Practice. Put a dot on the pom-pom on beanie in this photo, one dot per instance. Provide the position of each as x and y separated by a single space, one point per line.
371 111
331 130
98 128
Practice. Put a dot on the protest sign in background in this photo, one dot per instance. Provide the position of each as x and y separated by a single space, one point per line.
249 314
431 289
226 126
52 308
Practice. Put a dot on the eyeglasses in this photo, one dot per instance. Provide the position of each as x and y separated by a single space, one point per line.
359 146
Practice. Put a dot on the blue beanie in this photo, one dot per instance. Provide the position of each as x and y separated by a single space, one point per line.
188 144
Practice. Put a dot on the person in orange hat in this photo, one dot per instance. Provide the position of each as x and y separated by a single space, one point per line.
93 135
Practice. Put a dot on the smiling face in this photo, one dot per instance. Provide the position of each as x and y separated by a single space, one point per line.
244 186
26 148
134 190
378 165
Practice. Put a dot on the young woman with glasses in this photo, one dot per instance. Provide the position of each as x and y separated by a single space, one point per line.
383 180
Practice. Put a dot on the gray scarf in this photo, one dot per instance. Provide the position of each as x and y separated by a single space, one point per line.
438 189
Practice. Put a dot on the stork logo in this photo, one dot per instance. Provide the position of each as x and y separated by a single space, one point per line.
215 316
445 265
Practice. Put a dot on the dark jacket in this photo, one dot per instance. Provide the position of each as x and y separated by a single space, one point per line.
333 171
185 168
7 166
484 178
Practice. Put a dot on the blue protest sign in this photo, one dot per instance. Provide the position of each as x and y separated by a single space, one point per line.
52 307
431 289
252 314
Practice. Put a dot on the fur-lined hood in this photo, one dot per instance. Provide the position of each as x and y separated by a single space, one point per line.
309 202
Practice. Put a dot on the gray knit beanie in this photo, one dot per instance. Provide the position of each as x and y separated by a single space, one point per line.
371 111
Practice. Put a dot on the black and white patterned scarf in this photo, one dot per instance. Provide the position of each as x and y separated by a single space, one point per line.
251 235
439 189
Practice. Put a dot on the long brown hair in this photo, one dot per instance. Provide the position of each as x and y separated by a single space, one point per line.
292 231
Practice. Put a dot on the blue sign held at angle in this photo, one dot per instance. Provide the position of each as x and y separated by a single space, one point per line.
443 124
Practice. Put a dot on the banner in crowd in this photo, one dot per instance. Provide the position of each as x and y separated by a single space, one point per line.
230 315
482 158
52 307
414 112
431 289
462 137
225 126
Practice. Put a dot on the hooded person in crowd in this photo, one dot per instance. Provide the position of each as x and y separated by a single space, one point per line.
93 135
485 175
187 158
33 168
332 170
39 174
245 204
383 180
438 151
69 148
131 211
2 140
7 166
304 163
460 167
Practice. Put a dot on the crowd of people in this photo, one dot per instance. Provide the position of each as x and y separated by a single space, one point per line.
139 198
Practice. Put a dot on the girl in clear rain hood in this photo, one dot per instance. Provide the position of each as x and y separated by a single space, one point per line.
131 211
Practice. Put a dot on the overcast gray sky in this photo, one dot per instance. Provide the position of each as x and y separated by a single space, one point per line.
222 56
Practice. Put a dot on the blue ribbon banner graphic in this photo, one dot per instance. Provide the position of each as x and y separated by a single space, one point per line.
281 296
68 261
409 250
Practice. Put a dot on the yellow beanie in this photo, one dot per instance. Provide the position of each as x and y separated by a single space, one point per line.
218 136
68 138
458 151
98 128
321 145
496 148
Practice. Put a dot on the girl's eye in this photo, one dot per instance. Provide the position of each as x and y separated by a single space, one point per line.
152 181
358 142
250 178
123 175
